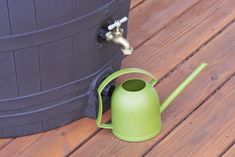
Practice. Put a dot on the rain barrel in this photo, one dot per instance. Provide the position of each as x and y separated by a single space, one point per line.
51 62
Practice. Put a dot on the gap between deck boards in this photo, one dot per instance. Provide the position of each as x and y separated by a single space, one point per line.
230 152
135 3
194 52
228 149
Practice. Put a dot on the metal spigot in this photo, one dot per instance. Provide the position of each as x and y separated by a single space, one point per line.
115 35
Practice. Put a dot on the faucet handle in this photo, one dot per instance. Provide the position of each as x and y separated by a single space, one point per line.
117 24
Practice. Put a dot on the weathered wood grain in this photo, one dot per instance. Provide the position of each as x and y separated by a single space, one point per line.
207 131
59 142
152 15
182 37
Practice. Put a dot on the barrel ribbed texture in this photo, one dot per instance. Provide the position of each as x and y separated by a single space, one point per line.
50 61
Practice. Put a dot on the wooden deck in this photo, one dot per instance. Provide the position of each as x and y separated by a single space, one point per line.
171 38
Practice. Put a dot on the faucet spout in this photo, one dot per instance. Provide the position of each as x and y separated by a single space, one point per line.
182 86
117 38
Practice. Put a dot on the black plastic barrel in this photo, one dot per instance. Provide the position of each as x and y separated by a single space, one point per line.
51 62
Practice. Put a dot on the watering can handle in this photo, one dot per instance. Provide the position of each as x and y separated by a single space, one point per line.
108 80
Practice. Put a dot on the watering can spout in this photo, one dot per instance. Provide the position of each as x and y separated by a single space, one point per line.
182 86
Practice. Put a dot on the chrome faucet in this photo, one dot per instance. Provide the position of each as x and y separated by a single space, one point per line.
115 35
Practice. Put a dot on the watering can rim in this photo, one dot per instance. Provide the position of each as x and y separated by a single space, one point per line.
121 85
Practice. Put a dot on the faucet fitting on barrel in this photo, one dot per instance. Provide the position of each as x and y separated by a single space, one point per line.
115 35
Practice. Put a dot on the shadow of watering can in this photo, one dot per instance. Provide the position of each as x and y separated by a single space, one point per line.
135 105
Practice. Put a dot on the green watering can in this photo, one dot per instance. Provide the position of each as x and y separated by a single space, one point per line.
135 105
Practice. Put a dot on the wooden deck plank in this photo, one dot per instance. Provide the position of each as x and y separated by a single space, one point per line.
183 36
207 131
4 142
153 15
134 3
59 142
92 128
219 54
230 152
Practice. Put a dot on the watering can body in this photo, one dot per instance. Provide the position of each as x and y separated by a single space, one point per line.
135 114
135 105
